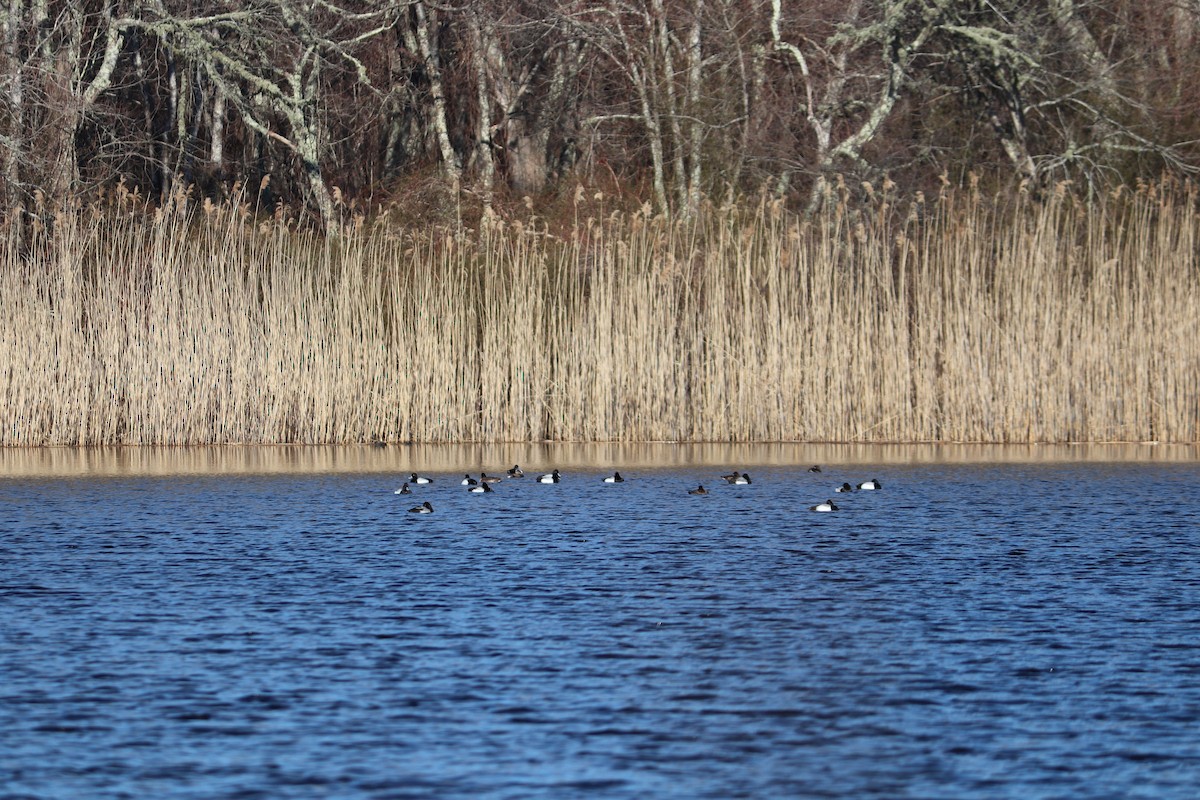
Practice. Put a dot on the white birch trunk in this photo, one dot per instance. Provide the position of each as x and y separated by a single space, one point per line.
165 165
426 24
216 146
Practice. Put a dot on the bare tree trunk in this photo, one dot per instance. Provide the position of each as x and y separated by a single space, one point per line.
216 145
411 132
63 115
156 154
695 73
1097 68
819 110
306 130
308 148
395 136
665 78
189 127
1011 134
14 117
166 167
641 71
749 67
70 95
426 31
905 31
527 158
522 127
562 101
1085 48
483 129
655 135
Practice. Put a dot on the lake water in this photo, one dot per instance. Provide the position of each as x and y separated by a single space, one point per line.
249 623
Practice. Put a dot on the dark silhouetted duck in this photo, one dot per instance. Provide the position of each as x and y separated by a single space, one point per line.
614 478
403 490
424 508
731 478
485 478
814 468
515 472
698 490
845 487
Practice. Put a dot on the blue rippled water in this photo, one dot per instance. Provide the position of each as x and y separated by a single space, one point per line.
1023 631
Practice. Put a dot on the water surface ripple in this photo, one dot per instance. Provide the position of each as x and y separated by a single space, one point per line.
970 631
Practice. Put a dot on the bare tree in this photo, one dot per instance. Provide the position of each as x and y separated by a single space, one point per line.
57 65
530 67
675 99
425 36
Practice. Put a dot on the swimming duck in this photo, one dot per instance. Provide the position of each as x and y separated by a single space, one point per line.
424 508
698 490
731 478
515 472
403 490
614 478
485 478
469 481
826 506
845 487
741 480
479 488
419 480
551 477
814 468
870 485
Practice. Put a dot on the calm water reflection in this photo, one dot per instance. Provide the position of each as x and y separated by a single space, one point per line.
1022 628
400 459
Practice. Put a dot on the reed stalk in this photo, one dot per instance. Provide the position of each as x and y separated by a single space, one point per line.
956 318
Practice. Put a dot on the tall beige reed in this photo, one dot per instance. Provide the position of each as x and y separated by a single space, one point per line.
957 318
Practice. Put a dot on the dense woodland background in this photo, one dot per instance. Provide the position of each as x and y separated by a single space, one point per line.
445 111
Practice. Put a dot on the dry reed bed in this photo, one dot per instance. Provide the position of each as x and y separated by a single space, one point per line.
955 319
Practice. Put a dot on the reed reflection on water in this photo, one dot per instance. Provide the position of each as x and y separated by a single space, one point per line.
269 622
404 458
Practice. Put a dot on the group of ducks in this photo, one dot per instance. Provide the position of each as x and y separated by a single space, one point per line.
743 478
483 484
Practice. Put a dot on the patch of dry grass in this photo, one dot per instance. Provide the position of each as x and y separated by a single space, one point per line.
948 319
